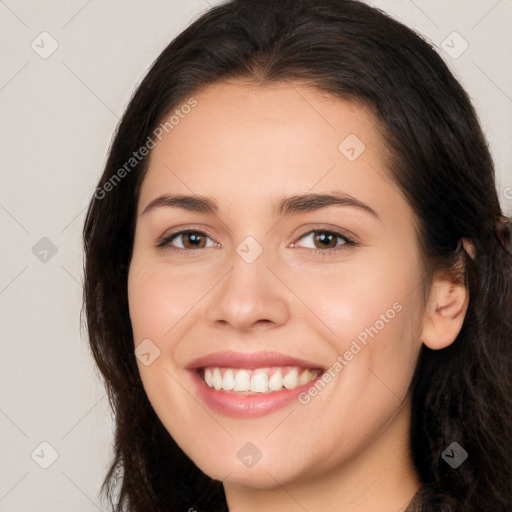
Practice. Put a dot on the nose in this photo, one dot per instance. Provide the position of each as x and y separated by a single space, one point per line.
249 296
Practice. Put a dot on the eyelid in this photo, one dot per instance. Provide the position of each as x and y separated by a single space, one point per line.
334 230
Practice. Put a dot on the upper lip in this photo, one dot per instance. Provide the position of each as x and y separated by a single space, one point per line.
250 360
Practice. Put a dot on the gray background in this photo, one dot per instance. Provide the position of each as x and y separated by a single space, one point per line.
57 118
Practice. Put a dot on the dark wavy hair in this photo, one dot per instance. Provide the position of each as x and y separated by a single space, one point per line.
440 161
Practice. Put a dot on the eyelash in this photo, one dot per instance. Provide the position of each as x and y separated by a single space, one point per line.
165 241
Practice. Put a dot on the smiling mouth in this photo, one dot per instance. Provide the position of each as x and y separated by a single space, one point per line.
258 380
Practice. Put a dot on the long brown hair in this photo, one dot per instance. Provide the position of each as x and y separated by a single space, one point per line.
440 161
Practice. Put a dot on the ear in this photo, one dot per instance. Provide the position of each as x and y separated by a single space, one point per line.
444 313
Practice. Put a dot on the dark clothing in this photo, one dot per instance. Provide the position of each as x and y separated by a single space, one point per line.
416 504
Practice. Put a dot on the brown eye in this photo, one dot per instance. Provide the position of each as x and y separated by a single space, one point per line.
193 240
190 240
327 241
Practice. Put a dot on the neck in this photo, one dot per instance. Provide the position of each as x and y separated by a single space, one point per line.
380 478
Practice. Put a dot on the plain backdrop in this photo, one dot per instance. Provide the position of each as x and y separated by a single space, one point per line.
67 71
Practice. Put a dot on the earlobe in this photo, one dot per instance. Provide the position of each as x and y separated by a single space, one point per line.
444 313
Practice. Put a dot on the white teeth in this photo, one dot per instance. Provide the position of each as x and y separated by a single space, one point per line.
228 383
259 383
290 380
242 381
217 379
261 380
208 377
304 377
275 382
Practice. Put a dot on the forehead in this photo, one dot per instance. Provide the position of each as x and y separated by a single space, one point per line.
261 142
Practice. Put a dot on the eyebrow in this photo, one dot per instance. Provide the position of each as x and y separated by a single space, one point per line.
285 206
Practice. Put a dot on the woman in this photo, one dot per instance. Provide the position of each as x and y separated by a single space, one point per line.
263 133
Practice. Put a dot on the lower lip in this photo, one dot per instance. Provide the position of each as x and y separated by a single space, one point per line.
245 406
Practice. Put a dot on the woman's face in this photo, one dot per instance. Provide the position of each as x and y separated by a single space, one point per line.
267 284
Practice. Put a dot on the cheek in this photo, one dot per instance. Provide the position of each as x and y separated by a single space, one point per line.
159 298
372 290
373 309
161 302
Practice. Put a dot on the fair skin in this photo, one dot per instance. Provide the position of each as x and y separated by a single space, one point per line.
248 146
